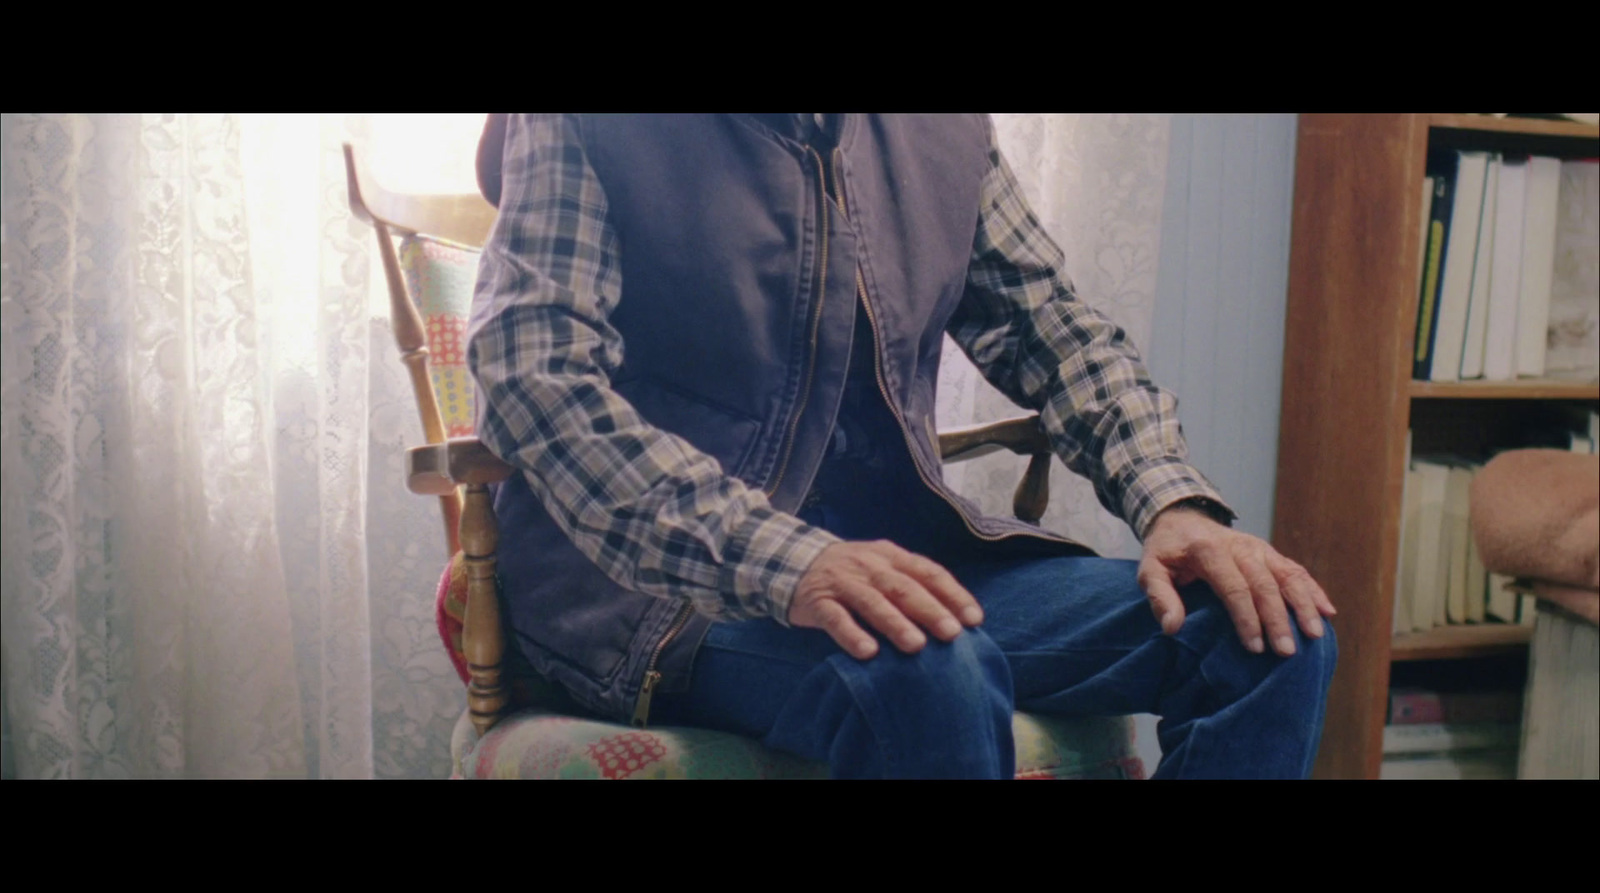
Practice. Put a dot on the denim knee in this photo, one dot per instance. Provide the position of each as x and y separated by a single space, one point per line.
1233 670
944 711
961 672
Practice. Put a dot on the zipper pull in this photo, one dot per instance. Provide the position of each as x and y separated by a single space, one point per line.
641 711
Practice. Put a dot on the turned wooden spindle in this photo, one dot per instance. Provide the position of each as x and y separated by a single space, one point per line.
483 637
411 336
1033 492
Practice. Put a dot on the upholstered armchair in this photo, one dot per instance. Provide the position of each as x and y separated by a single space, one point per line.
516 724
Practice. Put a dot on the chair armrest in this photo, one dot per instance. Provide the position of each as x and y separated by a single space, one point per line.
439 468
1024 436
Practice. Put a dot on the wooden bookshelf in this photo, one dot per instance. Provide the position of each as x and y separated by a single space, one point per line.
1456 642
1517 126
1528 389
1348 397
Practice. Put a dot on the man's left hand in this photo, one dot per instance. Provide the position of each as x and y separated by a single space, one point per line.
1258 586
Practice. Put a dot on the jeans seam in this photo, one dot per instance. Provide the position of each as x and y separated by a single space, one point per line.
889 758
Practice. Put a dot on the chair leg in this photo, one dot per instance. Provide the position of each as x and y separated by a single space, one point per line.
483 637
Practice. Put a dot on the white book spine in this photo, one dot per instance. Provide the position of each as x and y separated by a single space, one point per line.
1573 349
1502 602
1482 263
1538 263
1460 534
1427 607
1505 280
1407 551
1471 171
1477 583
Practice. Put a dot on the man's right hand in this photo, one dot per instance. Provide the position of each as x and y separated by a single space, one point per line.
893 590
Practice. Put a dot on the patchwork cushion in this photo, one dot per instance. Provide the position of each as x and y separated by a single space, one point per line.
441 276
539 744
546 738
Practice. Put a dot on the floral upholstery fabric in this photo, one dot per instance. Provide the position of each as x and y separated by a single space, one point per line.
536 743
440 276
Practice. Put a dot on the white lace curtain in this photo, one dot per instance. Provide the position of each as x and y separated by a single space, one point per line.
210 568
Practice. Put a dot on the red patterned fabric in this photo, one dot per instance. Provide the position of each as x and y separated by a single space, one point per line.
450 608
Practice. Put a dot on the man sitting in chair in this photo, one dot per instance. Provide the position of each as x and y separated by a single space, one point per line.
710 343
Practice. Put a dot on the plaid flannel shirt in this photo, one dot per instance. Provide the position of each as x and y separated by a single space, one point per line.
660 517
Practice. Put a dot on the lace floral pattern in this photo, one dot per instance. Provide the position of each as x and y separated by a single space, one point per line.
1096 183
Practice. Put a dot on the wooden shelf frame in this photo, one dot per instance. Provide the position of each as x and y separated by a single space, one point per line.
1347 389
1518 126
1527 389
1456 642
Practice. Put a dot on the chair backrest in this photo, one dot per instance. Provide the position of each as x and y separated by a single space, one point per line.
430 278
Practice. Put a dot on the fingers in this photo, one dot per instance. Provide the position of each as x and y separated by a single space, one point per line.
832 618
1269 602
1156 581
943 586
878 612
1266 595
1260 588
890 590
1219 568
1303 595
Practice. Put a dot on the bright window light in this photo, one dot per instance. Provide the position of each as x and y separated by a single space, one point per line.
425 154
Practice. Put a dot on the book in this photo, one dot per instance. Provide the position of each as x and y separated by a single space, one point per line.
1502 603
1527 608
1458 534
1477 583
1505 276
1441 737
1486 766
1478 299
1430 575
1443 167
1582 440
1404 583
1572 350
1561 718
1538 263
1424 223
1455 286
1414 706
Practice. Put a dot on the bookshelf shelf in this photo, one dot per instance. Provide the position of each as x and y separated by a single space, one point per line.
1518 126
1532 389
1456 642
1349 400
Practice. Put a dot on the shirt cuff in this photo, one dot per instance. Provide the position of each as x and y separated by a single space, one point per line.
773 551
1159 484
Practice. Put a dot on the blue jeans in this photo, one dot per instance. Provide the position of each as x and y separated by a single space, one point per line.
1067 636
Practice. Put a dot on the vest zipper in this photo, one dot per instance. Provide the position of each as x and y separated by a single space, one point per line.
883 388
816 322
652 676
